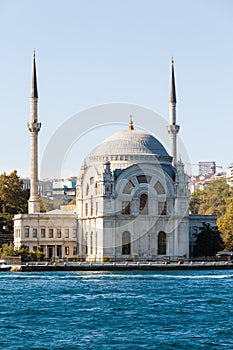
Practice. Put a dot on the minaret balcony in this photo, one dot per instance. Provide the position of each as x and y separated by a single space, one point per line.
34 127
173 129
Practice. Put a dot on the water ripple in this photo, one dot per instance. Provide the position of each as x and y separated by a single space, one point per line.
102 311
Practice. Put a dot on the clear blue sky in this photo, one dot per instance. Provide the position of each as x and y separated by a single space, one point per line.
102 51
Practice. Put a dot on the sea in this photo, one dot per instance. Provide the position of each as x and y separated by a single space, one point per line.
116 310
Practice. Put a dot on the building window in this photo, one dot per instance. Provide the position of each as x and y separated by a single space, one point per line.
162 243
143 179
87 190
34 232
67 250
162 208
125 208
159 188
50 251
42 232
128 187
91 243
75 250
58 233
125 243
86 209
17 232
96 188
51 233
59 251
91 180
96 208
86 236
92 208
74 233
143 205
26 232
66 235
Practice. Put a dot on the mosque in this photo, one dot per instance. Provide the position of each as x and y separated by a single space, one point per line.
131 199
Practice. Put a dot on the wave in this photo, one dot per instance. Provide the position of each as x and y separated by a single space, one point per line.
100 276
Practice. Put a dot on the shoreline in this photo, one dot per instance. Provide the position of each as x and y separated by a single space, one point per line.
92 267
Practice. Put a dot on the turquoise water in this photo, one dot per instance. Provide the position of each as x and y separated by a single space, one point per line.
138 310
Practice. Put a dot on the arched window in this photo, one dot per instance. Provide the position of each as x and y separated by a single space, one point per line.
128 187
162 243
91 243
96 188
125 210
86 209
126 243
87 190
143 205
159 188
143 179
85 242
162 208
92 206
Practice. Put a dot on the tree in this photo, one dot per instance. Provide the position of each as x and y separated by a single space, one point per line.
30 255
7 250
225 224
217 199
13 200
213 200
195 201
208 241
24 252
6 223
47 204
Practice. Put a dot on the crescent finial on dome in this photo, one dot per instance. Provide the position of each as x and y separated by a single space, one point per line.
130 127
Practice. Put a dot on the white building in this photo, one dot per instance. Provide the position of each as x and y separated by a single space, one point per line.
54 233
199 182
229 175
131 199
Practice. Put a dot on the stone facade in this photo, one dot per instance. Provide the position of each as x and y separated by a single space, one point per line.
54 233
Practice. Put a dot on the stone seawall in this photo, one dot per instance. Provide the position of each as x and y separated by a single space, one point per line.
124 267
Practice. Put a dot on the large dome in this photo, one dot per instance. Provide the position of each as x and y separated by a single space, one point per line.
130 142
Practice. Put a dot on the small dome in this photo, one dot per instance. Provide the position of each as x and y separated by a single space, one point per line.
130 142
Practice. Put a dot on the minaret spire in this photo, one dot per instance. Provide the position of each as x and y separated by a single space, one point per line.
173 85
34 128
34 90
173 128
130 127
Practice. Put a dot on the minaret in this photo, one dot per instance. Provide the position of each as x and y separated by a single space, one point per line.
34 128
173 128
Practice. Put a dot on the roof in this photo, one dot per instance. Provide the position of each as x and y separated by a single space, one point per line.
130 142
60 212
